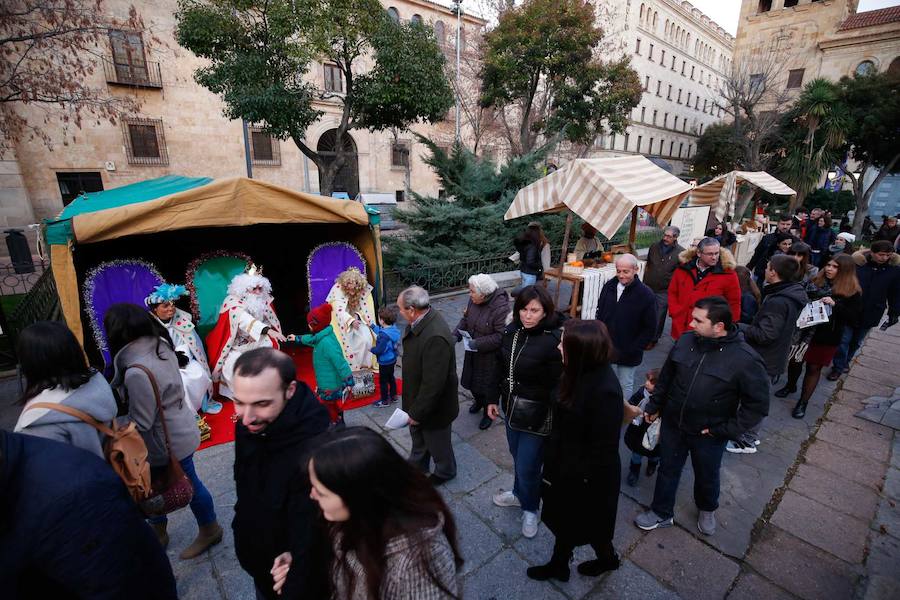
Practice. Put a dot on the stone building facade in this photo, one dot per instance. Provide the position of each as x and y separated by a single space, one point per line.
180 128
681 56
818 38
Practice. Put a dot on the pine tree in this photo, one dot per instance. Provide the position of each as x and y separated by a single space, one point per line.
469 223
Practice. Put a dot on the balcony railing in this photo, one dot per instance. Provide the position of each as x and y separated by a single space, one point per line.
147 75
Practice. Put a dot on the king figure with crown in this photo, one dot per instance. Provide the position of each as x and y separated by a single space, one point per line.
247 320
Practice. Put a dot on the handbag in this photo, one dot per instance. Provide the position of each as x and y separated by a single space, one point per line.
170 487
530 416
651 437
634 439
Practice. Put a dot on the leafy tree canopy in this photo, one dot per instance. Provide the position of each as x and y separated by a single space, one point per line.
539 62
718 151
260 53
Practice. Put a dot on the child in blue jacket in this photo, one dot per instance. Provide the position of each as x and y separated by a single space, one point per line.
387 341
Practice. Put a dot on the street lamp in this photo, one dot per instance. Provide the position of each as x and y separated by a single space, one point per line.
457 7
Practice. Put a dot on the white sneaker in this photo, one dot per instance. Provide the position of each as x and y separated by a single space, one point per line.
529 523
506 499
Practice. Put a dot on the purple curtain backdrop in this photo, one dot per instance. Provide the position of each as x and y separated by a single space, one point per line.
121 281
325 264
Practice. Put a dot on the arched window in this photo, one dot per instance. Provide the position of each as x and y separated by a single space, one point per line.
416 19
894 68
666 30
394 15
642 14
440 32
655 19
866 67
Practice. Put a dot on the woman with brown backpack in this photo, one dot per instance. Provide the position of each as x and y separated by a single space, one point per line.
147 378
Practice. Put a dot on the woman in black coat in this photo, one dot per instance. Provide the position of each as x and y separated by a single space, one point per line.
530 364
581 464
483 323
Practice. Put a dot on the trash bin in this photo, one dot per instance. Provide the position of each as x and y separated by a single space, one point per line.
19 252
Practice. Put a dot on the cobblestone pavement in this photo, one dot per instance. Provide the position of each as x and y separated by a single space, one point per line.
812 514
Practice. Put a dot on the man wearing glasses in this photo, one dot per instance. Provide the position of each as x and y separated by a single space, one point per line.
704 271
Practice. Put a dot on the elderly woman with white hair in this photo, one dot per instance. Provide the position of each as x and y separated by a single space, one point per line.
481 331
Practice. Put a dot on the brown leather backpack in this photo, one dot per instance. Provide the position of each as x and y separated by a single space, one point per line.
123 448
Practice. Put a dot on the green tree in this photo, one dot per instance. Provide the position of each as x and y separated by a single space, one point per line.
471 225
812 135
260 52
542 72
872 103
718 151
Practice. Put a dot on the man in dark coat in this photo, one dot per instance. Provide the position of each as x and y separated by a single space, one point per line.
771 331
628 308
773 326
69 529
278 420
767 247
878 271
712 388
481 331
429 384
662 258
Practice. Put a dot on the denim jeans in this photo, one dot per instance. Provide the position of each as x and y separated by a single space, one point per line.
662 308
201 503
527 450
637 459
850 342
626 378
387 382
527 279
706 458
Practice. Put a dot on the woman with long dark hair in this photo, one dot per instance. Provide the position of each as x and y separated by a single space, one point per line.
750 296
582 471
56 372
531 365
529 244
838 287
808 271
820 238
135 345
391 533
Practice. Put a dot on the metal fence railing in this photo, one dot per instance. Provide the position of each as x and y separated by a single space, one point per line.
24 299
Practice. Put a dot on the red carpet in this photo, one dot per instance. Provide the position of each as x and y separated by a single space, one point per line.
223 428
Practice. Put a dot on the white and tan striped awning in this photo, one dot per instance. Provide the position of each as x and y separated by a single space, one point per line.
720 192
603 191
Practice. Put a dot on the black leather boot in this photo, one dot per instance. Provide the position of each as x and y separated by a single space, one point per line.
785 391
799 410
557 568
607 560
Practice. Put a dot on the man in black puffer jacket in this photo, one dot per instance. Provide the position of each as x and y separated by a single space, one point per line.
773 326
712 388
278 420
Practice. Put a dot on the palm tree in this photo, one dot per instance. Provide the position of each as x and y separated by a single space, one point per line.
813 131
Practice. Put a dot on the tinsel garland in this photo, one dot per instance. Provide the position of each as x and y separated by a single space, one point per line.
90 287
192 271
313 252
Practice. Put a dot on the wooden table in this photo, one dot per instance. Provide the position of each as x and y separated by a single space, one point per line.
575 280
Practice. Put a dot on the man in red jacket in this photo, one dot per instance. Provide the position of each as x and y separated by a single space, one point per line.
705 271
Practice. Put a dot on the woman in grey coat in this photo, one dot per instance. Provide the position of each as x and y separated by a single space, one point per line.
56 372
134 340
481 331
392 535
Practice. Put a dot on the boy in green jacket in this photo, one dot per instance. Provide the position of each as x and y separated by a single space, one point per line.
333 374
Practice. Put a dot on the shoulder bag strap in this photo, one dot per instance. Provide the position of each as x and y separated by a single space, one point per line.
162 413
78 414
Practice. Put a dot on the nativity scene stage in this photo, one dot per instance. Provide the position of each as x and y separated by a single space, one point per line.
122 244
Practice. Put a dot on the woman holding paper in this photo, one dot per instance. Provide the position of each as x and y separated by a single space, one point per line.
838 288
531 364
481 331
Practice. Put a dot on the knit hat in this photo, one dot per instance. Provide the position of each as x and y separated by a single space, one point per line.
319 318
848 237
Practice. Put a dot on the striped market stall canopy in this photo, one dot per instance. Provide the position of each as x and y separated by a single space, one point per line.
720 193
603 191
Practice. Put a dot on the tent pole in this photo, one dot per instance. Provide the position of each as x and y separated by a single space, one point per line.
632 231
562 255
